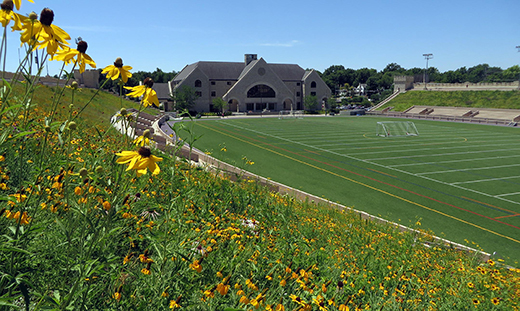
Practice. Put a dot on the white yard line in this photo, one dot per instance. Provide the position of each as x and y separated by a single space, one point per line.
426 149
483 180
506 194
455 161
376 164
440 154
468 169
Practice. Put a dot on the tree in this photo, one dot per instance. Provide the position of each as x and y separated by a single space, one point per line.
219 103
393 67
184 98
511 74
310 102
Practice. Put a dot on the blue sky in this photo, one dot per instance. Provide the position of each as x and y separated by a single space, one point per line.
314 34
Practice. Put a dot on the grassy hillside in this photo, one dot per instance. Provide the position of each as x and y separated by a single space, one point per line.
98 112
475 99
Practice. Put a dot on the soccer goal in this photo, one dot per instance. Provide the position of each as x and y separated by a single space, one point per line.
396 128
290 114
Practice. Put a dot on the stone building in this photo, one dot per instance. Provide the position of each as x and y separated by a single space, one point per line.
89 78
253 85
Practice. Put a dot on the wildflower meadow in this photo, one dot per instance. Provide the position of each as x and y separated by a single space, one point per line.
91 219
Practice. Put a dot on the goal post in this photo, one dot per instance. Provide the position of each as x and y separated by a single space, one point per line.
290 114
396 128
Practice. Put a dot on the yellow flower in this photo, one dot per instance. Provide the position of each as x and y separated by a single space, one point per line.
196 266
174 304
107 205
145 271
117 296
280 307
495 301
43 33
143 139
149 96
140 161
222 289
113 71
77 56
7 15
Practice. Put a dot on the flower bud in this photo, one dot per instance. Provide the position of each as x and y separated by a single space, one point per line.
72 125
123 112
147 133
83 172
99 169
47 128
33 16
74 85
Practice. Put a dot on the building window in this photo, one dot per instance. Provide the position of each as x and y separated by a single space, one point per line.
198 83
229 83
261 91
298 84
212 82
198 93
298 94
272 106
313 93
213 93
250 106
313 84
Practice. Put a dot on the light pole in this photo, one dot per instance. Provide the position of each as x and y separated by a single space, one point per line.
427 57
518 47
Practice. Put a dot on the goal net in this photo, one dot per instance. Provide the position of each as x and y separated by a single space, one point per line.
396 128
290 114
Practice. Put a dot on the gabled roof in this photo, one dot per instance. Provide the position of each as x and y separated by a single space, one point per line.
288 71
162 90
236 70
214 70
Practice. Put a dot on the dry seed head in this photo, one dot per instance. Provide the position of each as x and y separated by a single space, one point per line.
148 82
7 5
144 152
118 63
82 46
46 17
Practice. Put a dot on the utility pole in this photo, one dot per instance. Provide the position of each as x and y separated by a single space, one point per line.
427 57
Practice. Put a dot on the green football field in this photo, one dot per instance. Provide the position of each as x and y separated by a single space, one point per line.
462 181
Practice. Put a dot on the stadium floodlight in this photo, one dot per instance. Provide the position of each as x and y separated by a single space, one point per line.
518 47
427 56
